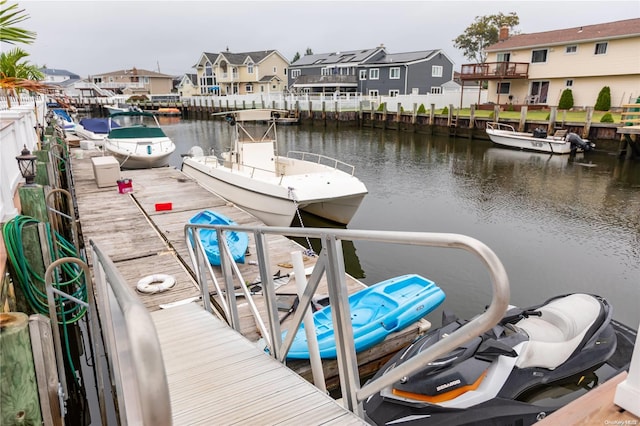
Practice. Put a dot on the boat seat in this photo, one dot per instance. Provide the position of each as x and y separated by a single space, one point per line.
557 332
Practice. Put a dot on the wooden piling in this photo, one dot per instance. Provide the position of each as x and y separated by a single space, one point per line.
18 387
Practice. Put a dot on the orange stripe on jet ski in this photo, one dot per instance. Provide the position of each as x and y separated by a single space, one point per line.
443 396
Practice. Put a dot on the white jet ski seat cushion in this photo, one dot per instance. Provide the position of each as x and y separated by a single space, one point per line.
557 332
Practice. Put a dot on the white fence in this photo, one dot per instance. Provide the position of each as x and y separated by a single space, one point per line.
16 131
342 101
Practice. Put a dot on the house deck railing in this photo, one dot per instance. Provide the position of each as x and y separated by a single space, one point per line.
494 71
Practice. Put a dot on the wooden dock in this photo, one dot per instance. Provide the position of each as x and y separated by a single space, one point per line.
596 407
142 241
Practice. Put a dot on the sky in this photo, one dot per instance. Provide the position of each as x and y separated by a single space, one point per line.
92 37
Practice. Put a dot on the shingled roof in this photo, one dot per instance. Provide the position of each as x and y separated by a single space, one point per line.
609 30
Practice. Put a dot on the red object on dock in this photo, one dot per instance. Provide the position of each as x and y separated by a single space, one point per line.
125 186
163 206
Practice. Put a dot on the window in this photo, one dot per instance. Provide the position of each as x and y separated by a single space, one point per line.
415 91
326 71
394 73
571 49
601 48
363 74
248 88
539 56
374 93
503 57
569 83
250 68
436 71
275 70
374 74
393 93
503 88
295 73
436 90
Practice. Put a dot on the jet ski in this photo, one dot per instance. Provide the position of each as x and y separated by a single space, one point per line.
533 362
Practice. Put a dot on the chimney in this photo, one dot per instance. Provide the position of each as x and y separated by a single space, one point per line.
504 33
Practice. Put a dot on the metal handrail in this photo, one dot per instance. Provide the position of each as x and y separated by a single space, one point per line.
336 163
331 262
132 346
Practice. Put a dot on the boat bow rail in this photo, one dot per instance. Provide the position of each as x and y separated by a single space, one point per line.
331 262
324 160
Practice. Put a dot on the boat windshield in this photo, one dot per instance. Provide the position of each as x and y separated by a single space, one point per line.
127 119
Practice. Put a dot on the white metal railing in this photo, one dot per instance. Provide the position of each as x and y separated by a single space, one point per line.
322 159
131 345
331 263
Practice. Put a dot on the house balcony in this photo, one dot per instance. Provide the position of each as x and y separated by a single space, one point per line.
495 71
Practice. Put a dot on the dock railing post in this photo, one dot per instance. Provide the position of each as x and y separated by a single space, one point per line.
628 392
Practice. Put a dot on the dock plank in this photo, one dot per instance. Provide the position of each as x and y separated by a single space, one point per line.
249 386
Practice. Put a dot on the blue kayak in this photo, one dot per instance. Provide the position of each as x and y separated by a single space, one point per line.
237 241
376 311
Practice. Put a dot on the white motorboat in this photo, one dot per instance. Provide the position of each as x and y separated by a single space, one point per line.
64 120
273 187
561 142
137 141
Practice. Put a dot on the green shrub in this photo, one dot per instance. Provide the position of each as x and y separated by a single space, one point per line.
381 106
604 100
607 118
566 99
445 110
510 107
548 117
422 109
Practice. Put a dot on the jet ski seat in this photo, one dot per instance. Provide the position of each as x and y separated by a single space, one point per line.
557 332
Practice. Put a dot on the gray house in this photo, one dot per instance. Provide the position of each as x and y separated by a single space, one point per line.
372 72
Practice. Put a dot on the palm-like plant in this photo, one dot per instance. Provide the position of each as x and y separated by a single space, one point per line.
9 17
17 74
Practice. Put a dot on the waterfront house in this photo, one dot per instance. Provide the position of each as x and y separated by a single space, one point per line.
187 85
372 72
134 81
229 73
536 68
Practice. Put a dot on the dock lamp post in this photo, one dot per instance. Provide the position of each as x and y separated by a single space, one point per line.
27 165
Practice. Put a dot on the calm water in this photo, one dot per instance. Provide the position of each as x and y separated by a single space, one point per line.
559 225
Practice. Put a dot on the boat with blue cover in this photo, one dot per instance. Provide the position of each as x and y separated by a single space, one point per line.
376 312
94 129
237 241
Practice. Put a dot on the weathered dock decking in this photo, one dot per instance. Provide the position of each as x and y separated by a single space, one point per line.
142 241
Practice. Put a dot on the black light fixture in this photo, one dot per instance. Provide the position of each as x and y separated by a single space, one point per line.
27 165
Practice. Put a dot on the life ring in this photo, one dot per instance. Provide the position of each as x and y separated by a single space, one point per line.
156 283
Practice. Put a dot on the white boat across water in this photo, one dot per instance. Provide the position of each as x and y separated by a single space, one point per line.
561 142
272 187
136 140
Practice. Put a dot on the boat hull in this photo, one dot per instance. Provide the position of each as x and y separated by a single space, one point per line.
132 156
270 198
376 312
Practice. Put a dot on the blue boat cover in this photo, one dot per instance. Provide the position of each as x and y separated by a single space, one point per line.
376 312
237 241
97 125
